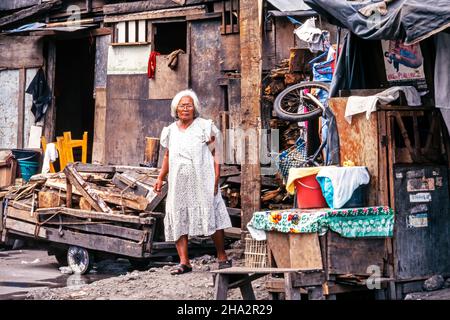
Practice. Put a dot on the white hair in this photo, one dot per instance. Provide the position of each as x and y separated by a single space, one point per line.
176 101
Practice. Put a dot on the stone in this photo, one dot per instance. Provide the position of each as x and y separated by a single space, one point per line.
206 268
436 282
66 270
447 283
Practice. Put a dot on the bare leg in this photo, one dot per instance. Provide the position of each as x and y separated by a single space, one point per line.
182 249
219 241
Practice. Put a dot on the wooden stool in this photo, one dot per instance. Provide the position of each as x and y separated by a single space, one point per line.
242 277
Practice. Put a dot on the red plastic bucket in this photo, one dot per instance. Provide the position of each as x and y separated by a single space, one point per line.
309 193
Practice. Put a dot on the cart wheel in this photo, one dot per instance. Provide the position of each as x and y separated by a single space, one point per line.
139 264
79 259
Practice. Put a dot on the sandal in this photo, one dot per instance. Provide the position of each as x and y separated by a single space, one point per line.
180 269
225 264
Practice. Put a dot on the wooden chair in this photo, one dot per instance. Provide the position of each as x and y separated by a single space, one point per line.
69 144
65 146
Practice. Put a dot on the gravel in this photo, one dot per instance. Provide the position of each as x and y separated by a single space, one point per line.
156 283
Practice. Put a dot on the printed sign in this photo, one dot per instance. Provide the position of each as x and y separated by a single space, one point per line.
414 185
404 64
420 197
419 208
417 220
415 174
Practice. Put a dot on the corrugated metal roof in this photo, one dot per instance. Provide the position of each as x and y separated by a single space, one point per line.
289 5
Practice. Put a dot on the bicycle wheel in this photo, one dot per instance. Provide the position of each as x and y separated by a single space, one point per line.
301 102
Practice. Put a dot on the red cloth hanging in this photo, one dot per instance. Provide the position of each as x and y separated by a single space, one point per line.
152 64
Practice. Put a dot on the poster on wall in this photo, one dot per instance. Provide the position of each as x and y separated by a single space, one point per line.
403 64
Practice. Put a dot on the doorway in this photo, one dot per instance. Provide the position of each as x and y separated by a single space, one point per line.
74 87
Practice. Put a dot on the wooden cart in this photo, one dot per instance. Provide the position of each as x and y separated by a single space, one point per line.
103 224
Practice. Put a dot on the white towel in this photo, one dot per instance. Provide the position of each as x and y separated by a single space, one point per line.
51 154
345 181
357 104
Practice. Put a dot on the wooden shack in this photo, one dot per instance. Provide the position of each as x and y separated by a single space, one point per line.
95 54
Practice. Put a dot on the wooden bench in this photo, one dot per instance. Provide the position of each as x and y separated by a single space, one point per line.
242 277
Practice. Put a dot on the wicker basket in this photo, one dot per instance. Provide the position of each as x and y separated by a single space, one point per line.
255 253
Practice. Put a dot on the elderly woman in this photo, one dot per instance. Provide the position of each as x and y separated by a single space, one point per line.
194 205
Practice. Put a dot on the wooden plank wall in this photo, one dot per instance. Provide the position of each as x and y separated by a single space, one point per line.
230 59
21 52
17 4
205 47
130 117
132 114
167 82
358 142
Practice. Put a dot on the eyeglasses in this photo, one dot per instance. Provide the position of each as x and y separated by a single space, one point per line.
185 106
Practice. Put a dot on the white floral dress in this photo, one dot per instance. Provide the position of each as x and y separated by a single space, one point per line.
191 207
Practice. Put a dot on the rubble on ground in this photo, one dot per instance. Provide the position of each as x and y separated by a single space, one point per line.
155 283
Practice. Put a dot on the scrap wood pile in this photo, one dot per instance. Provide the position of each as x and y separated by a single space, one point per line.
289 72
87 201
273 192
104 189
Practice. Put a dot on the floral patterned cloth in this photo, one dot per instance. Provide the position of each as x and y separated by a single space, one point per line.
350 223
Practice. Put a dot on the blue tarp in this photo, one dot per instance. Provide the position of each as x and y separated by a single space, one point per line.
408 20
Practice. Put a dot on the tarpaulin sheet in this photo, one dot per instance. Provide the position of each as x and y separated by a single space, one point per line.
408 20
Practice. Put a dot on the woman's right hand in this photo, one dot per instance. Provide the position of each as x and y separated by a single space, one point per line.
158 185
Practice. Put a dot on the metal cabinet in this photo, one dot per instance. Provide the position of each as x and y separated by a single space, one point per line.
421 234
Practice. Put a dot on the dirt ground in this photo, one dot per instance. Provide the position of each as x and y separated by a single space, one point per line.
155 283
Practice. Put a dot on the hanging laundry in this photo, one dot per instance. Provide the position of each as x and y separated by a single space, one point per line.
152 64
317 39
42 95
51 154
173 58
357 104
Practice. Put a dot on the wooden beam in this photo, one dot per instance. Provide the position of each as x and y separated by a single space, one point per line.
158 14
25 13
86 191
115 216
139 6
128 199
24 227
19 214
250 20
96 242
96 168
50 115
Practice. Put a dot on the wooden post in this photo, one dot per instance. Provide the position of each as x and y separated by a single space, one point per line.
151 151
50 115
21 110
290 292
250 20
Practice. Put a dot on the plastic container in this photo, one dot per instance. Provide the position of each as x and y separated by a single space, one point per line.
309 193
26 155
28 168
358 198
